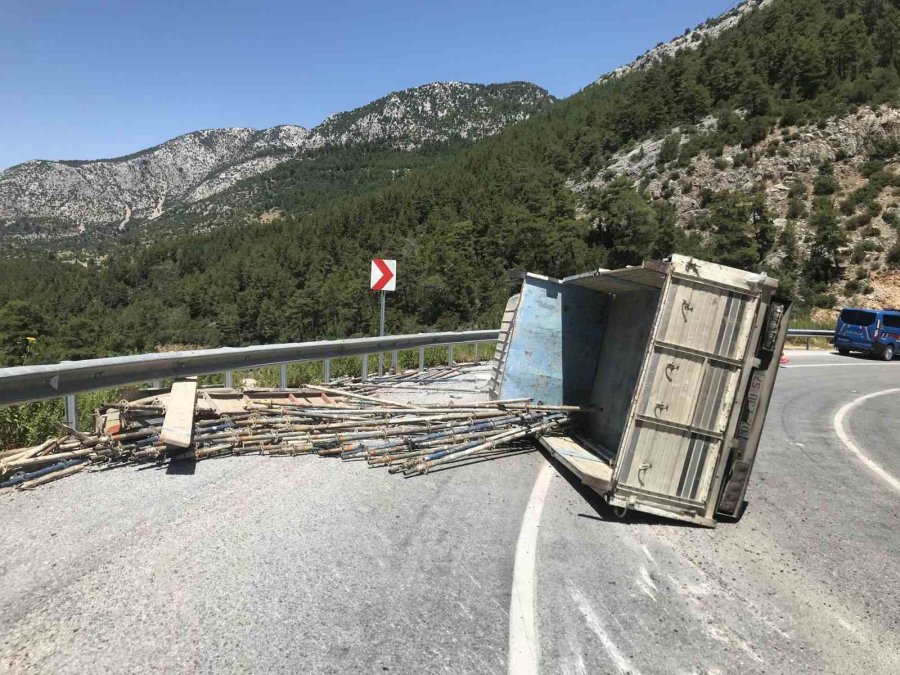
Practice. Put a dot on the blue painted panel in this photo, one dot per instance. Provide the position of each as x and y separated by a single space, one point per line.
534 363
554 348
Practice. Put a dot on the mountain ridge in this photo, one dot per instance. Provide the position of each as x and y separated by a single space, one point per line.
736 152
59 198
690 39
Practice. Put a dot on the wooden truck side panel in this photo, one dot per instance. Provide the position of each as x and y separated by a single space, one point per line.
668 357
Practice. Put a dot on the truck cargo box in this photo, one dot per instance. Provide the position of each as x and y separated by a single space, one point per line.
676 361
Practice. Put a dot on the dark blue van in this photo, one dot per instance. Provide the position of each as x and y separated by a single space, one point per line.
872 331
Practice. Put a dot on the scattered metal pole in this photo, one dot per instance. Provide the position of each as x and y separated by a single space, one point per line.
326 370
71 412
450 360
365 367
282 376
354 426
229 378
421 359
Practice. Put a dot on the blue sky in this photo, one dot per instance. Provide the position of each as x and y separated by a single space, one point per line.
88 79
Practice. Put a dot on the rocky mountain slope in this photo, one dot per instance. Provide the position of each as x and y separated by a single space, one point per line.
46 200
434 112
849 160
691 39
846 166
772 146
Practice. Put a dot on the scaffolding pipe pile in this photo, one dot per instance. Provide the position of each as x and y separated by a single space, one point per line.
349 423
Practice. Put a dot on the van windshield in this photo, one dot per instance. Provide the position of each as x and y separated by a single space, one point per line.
858 317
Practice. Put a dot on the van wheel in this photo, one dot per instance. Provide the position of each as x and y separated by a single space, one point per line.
888 353
843 352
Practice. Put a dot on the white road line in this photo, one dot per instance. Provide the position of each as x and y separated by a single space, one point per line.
852 447
844 365
524 651
596 625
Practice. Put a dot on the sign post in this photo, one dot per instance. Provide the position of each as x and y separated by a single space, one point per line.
383 278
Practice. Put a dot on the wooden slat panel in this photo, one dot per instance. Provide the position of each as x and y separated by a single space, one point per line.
502 348
178 425
715 273
658 458
589 468
696 391
672 387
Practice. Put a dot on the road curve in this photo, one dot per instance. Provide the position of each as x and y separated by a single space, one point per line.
807 581
259 564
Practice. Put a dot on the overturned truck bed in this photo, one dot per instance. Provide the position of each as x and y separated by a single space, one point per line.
676 361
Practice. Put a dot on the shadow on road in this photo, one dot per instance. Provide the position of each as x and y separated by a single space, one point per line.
609 514
182 467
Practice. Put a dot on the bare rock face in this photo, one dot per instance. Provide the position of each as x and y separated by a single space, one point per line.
46 199
787 157
434 112
85 194
847 141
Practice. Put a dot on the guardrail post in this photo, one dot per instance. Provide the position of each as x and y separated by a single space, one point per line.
450 360
326 370
365 367
156 384
475 353
282 376
229 379
807 342
380 364
394 359
71 412
421 359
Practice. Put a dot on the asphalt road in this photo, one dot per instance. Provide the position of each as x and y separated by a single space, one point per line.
264 564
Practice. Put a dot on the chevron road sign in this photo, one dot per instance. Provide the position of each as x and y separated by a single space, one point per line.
384 275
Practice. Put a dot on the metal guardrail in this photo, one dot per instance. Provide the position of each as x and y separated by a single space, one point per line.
809 333
812 332
66 379
34 383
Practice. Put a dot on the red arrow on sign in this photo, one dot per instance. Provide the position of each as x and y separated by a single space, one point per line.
386 275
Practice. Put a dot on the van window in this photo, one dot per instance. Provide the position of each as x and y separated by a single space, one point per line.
858 317
892 320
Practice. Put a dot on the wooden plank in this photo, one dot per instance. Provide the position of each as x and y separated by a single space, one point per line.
501 348
713 273
178 424
112 423
227 405
589 468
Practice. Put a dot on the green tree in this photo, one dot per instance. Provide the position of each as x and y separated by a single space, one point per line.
756 97
887 36
626 223
695 99
21 326
668 151
761 219
733 233
826 254
788 272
